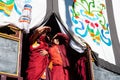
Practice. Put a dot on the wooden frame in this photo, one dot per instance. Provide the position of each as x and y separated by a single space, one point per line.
10 50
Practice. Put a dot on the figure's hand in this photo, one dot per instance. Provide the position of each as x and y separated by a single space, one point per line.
43 52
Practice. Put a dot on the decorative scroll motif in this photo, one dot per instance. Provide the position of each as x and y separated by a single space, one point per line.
6 7
89 18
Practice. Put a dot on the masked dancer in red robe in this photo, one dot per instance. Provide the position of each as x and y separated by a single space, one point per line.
38 60
58 56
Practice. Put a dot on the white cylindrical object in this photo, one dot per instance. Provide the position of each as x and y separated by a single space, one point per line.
27 10
25 18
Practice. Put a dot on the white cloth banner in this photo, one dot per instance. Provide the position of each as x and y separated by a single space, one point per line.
88 20
11 11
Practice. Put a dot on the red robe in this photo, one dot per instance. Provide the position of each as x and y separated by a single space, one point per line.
37 63
60 62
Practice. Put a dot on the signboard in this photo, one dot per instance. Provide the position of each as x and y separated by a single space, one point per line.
10 50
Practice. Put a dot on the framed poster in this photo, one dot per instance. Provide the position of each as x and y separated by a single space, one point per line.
10 50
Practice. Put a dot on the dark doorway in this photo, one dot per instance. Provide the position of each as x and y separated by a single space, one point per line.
53 24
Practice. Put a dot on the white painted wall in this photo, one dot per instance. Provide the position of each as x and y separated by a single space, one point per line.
116 11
